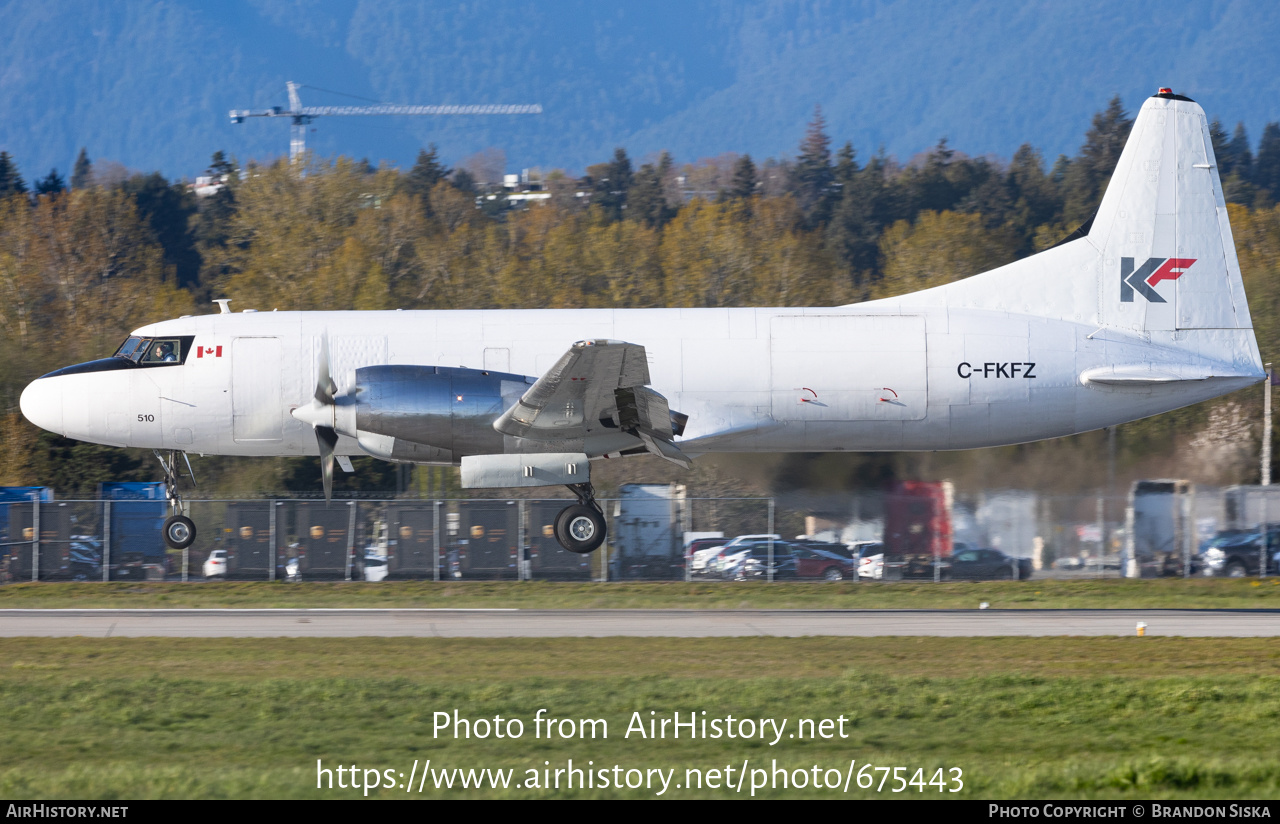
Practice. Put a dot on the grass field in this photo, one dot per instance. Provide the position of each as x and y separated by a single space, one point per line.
1196 593
1021 717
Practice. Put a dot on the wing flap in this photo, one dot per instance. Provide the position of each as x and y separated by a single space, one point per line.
597 387
574 392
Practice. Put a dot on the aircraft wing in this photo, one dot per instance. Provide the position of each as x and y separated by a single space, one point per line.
597 387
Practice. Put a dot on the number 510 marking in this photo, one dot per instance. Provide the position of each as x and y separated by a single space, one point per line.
146 419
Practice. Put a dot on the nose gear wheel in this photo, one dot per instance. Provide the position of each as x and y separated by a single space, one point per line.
179 530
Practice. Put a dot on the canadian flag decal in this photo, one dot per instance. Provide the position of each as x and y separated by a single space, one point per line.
211 351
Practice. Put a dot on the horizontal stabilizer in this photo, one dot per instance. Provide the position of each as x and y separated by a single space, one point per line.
1154 375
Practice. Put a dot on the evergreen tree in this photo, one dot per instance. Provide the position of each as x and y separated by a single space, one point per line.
220 167
744 182
211 226
464 181
1058 173
844 179
1106 139
52 184
1087 175
425 174
867 204
168 211
846 168
1266 167
812 176
611 188
1241 159
10 180
82 172
1235 167
427 171
666 170
1035 200
988 194
647 199
931 187
1218 139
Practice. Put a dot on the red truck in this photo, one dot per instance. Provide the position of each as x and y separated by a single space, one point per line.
917 529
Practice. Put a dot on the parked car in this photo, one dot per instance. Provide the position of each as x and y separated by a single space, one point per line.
815 562
709 561
375 567
869 560
842 550
1237 553
1093 563
987 564
86 558
750 560
700 561
215 566
700 544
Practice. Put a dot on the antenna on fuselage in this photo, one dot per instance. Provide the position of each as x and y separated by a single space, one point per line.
224 306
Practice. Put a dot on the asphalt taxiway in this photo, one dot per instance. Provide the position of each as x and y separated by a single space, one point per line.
598 623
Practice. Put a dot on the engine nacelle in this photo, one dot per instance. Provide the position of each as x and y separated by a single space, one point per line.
434 414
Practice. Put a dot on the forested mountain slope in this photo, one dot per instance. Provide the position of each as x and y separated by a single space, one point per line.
149 84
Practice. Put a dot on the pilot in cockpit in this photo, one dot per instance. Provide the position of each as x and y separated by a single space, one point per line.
164 353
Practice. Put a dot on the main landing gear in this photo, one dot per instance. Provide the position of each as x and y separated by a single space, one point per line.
179 530
580 527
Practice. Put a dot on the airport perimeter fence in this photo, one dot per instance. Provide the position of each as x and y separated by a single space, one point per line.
363 539
649 538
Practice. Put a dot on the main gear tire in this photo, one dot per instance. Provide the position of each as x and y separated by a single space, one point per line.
580 528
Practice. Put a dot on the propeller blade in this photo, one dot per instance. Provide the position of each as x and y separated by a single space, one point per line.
328 439
325 387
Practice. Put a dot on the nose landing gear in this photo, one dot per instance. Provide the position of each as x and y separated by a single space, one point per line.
179 530
580 527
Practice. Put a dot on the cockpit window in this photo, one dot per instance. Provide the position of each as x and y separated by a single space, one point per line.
128 348
156 351
163 350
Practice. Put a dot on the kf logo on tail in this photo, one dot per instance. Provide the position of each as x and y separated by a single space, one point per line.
1151 273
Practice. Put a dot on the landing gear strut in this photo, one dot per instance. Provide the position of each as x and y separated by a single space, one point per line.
179 530
580 527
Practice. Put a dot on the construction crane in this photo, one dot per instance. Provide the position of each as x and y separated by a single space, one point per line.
303 115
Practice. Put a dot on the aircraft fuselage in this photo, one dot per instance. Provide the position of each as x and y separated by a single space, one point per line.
856 378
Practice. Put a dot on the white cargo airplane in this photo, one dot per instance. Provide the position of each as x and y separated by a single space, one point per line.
1139 312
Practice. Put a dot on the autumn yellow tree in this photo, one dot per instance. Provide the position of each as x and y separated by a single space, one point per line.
288 229
1257 235
938 248
744 253
77 272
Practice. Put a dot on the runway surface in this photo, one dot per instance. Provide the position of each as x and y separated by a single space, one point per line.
596 623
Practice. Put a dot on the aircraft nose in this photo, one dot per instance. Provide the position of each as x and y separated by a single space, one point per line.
41 404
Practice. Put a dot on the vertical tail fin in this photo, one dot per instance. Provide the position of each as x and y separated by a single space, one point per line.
1168 258
1157 259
